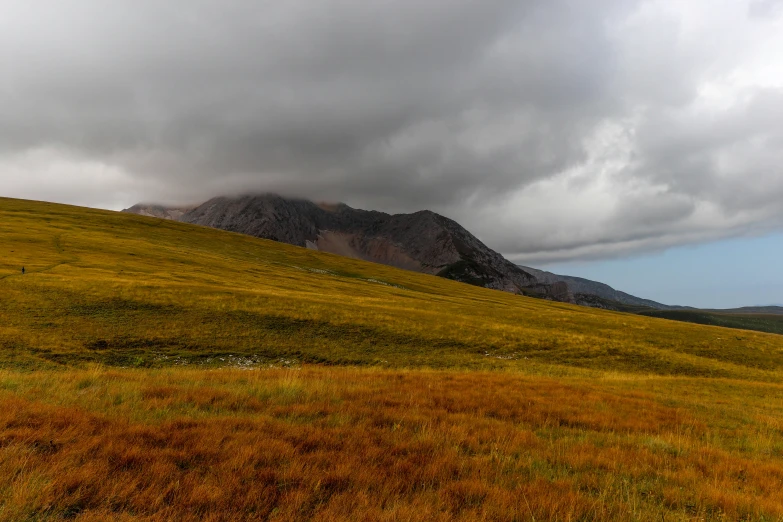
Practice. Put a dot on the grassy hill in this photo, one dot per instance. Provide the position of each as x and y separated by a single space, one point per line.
771 323
154 370
132 291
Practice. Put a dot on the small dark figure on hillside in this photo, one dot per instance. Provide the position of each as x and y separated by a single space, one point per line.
22 270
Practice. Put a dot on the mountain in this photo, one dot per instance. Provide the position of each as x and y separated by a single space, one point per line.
433 244
423 241
598 295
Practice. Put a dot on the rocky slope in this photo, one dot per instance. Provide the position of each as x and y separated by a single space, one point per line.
423 241
595 294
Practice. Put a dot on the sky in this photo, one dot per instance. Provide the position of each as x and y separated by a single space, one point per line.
595 135
723 274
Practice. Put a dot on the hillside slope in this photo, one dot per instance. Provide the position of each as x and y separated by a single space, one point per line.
764 310
375 393
762 322
124 289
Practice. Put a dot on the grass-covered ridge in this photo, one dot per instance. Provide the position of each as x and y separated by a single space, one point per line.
127 290
771 323
152 370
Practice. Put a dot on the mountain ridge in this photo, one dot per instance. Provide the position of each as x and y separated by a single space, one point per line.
583 289
427 242
422 241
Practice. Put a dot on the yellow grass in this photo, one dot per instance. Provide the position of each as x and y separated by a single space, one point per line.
160 371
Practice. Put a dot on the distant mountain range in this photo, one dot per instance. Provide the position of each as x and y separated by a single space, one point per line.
422 241
598 295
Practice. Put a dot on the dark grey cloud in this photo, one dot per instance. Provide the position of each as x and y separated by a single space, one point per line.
554 129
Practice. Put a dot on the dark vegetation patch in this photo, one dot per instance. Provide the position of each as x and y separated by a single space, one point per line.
769 323
129 333
265 337
114 307
356 334
608 304
468 271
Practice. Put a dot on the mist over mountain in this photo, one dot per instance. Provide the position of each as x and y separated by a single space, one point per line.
158 211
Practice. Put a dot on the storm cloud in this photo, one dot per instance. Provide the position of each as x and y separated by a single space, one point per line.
554 130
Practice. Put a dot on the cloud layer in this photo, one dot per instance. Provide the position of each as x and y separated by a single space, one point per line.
555 130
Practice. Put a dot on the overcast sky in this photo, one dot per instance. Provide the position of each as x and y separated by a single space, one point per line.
554 130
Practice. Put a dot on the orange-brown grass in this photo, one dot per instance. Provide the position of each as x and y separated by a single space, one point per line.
351 444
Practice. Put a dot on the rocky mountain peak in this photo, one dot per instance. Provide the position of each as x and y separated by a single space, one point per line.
423 241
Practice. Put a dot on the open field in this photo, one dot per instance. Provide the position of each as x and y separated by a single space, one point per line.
158 371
